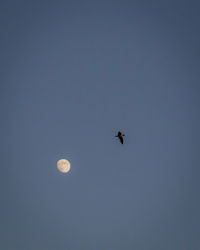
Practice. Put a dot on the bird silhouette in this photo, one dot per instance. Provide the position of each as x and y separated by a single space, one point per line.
120 136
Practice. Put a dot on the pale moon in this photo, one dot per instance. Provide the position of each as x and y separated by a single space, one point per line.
63 165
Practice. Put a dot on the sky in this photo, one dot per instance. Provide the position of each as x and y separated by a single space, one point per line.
74 73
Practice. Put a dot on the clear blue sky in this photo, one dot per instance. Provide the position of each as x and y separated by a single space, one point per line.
73 73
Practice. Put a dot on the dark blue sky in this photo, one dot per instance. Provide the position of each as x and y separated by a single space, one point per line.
73 73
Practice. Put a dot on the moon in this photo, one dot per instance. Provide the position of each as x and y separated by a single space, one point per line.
63 165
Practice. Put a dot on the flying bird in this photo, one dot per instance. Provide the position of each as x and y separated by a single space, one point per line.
120 136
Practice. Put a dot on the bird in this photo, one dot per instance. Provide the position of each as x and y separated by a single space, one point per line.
120 136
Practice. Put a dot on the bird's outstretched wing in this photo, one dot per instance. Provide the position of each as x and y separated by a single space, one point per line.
121 139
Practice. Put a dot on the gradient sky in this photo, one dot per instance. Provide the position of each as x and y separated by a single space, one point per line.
73 73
